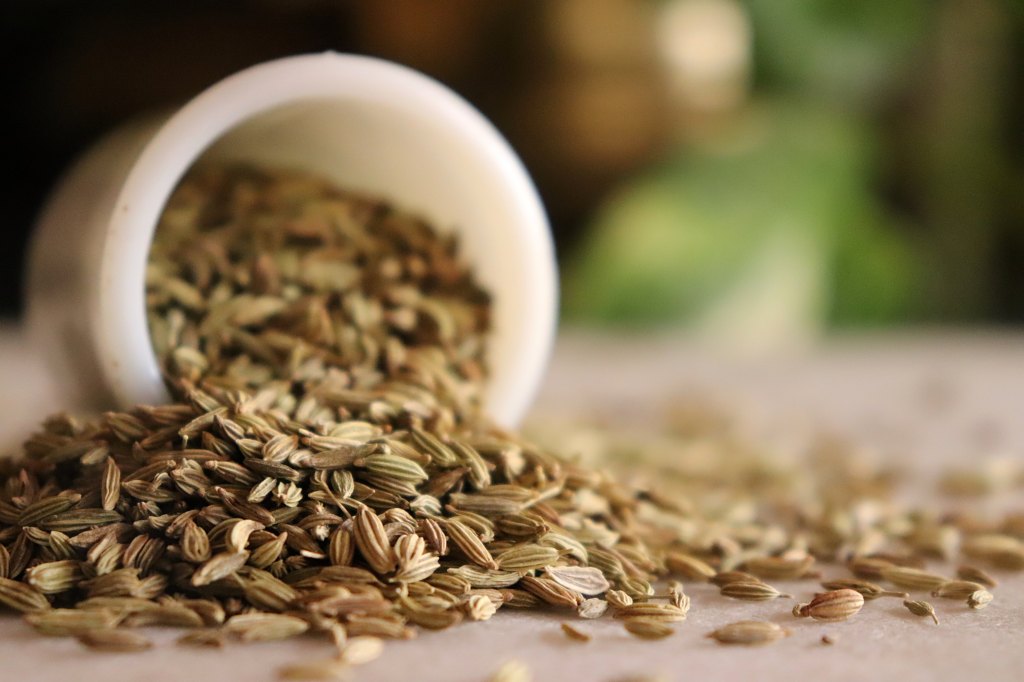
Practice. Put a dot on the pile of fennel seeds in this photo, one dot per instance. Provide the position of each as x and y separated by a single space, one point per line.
325 468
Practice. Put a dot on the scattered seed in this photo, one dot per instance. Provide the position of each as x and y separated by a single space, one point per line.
573 633
114 640
648 628
749 633
751 591
979 599
834 605
922 609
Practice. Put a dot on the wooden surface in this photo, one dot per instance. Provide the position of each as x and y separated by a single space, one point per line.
929 399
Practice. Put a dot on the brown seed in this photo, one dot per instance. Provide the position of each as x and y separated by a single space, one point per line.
976 575
70 622
592 608
22 597
110 485
195 544
530 557
47 507
957 589
912 578
209 637
512 671
778 568
573 633
689 567
833 605
727 577
372 541
551 592
587 581
114 640
867 589
618 598
218 567
979 599
751 591
466 539
749 633
648 628
326 669
259 627
651 611
921 608
868 568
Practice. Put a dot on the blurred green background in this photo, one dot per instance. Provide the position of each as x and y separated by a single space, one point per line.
759 171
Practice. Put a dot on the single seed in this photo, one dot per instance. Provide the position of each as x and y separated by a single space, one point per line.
867 589
648 628
751 591
921 608
728 577
512 671
749 633
592 608
957 589
976 575
912 578
114 640
573 633
979 599
586 581
689 567
834 605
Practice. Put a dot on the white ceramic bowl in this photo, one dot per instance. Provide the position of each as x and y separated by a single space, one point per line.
365 123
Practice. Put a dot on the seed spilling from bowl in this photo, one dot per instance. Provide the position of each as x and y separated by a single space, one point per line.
327 467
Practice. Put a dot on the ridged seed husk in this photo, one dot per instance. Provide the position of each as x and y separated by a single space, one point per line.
71 622
585 580
977 575
114 640
618 598
549 591
258 627
467 540
527 558
727 577
912 578
957 589
979 599
751 591
592 608
651 610
834 605
213 638
47 507
648 628
218 567
749 633
778 568
921 609
689 567
868 590
21 597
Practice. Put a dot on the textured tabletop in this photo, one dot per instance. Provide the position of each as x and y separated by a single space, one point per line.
930 399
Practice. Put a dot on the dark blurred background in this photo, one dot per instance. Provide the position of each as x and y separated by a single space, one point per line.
759 169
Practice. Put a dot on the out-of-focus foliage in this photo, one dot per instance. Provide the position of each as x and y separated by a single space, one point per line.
842 50
777 217
689 236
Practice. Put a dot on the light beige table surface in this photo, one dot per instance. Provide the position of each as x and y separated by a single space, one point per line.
935 398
